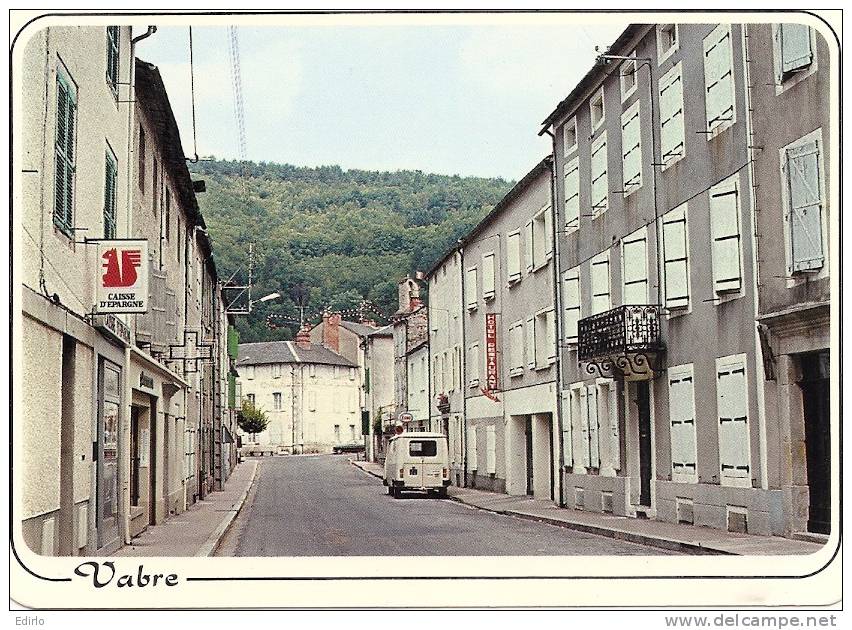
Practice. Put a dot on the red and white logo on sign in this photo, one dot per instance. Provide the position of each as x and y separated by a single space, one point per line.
124 274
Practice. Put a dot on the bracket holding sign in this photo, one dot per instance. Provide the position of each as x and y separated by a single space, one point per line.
122 284
190 353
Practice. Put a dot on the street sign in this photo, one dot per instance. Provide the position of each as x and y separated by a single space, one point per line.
123 276
406 416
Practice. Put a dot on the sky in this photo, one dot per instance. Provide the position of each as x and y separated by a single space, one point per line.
454 99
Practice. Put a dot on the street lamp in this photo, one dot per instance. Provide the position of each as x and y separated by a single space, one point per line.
266 298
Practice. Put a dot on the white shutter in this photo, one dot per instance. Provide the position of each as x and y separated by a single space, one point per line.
682 420
548 232
718 77
516 347
795 47
634 268
594 445
600 283
671 114
528 247
567 433
585 453
725 229
470 288
732 402
675 259
490 449
631 148
530 343
571 298
513 256
572 194
600 182
804 215
488 276
550 327
472 462
473 365
613 430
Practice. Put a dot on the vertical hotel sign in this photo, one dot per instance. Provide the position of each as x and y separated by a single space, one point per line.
122 276
491 375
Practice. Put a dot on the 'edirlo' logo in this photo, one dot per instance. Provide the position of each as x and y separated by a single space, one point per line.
124 275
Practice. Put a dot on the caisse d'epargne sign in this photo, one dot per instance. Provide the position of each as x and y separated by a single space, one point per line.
122 276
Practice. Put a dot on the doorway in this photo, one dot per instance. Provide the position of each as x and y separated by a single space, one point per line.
134 455
643 405
815 407
528 435
152 464
107 445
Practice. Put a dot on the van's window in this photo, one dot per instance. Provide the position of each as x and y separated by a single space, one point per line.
423 448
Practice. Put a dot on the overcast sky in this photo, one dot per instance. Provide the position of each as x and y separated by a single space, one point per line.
450 99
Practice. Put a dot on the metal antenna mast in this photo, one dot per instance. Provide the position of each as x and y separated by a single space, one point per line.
237 83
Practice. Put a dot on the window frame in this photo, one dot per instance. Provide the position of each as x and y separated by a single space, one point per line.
572 275
680 214
597 97
677 374
113 41
722 124
784 81
640 235
572 170
674 75
630 90
474 360
516 354
728 186
631 114
471 289
735 363
570 124
600 144
513 276
65 84
489 267
662 55
110 214
600 259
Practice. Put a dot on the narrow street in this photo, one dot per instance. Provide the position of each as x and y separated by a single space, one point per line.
324 506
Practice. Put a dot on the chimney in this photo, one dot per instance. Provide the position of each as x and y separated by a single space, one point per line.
409 295
331 331
303 337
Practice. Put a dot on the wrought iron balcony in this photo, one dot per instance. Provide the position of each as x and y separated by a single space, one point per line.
623 342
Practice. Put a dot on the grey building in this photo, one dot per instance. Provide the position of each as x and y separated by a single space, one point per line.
661 374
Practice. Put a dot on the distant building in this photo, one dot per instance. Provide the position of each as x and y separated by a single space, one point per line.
411 364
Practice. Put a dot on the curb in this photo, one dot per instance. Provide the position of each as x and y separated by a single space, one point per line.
362 469
212 542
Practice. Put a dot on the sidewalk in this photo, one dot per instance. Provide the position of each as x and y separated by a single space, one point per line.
685 538
197 531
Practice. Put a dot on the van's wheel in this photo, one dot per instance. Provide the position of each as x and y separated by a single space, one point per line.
395 492
390 489
442 493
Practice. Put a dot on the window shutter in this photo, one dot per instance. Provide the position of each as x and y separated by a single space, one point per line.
567 433
488 276
490 449
513 256
548 232
671 115
109 197
585 451
572 194
517 346
682 419
732 402
631 149
571 297
65 133
531 358
471 449
474 365
470 288
614 430
600 183
675 259
600 283
551 335
718 77
594 444
805 208
634 262
528 247
725 229
796 50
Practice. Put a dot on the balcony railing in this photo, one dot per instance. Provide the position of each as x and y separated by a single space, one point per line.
623 341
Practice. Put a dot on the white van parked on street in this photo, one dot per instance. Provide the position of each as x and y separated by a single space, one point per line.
417 461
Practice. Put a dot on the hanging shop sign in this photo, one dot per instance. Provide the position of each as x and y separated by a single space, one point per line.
122 276
492 379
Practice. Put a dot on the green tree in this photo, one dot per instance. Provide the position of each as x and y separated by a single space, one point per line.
252 419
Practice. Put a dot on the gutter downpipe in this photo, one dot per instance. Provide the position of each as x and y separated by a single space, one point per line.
463 365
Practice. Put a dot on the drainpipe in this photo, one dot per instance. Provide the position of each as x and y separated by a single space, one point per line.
463 362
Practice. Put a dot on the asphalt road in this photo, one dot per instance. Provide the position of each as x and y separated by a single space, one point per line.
325 506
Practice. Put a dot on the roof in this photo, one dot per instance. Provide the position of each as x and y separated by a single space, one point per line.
266 352
384 331
509 197
362 330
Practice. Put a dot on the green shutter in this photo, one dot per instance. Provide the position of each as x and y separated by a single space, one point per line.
366 380
64 156
110 170
233 342
232 391
112 57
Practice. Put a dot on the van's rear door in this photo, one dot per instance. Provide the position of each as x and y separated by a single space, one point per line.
427 450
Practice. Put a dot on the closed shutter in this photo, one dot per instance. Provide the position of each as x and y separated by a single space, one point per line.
171 316
516 349
718 77
614 430
550 327
470 288
110 170
572 194
682 420
113 36
585 452
634 272
671 115
513 256
472 462
490 449
488 276
600 182
795 45
631 149
804 215
567 433
725 229
732 402
571 298
600 283
593 421
66 119
530 343
528 247
548 232
473 366
676 262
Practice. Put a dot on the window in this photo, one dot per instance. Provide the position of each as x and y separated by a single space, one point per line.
337 433
542 238
596 109
513 257
65 153
276 370
141 158
312 400
179 239
249 371
250 399
336 371
600 283
312 370
718 79
682 421
676 258
725 230
472 462
470 288
113 43
569 136
529 342
110 171
473 365
667 41
528 247
794 49
608 429
671 116
488 276
422 448
491 449
366 380
353 436
732 403
572 195
545 348
584 417
634 267
600 181
516 349
804 202
628 77
631 149
571 299
276 401
351 374
155 192
167 219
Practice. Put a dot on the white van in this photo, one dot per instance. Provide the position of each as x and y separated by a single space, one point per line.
417 461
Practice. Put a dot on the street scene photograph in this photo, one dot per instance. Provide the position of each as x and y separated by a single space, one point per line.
475 286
